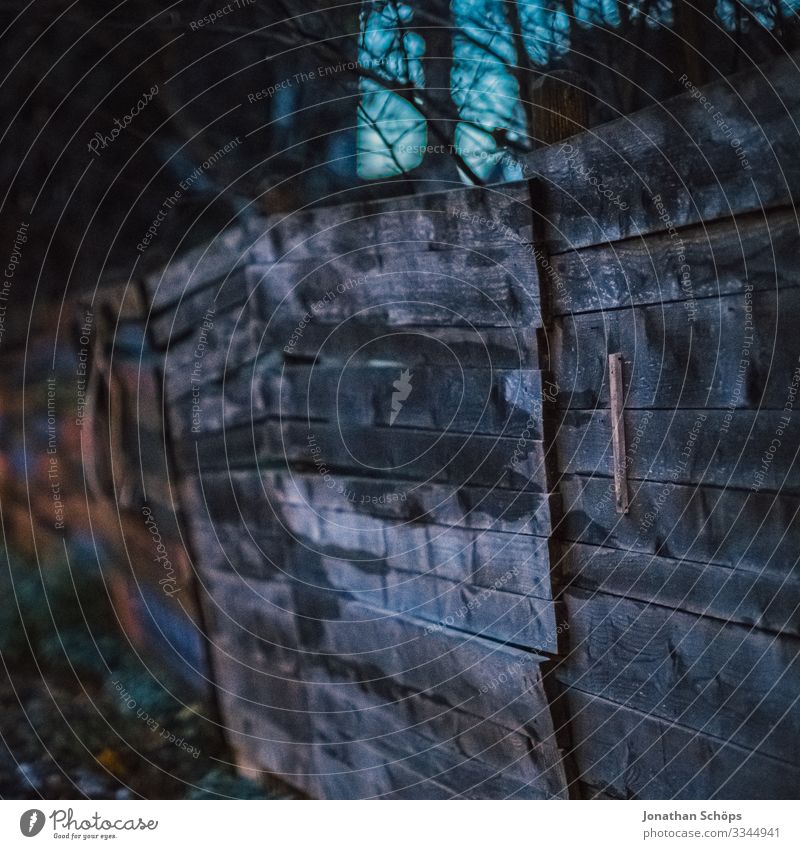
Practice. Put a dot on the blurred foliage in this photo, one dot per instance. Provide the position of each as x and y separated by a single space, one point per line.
84 715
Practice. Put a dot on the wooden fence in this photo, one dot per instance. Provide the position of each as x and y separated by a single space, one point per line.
395 441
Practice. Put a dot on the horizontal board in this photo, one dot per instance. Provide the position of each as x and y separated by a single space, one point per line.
375 713
740 351
731 527
488 215
194 269
712 447
409 346
758 599
402 454
440 761
500 402
674 163
702 261
725 680
493 287
394 502
491 611
519 563
465 672
626 754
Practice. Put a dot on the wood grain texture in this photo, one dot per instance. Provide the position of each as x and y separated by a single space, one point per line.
723 679
739 352
401 454
625 754
706 260
673 164
732 450
731 527
758 599
501 402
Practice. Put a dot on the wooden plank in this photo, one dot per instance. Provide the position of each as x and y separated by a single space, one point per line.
197 362
491 611
726 680
480 347
630 755
740 351
735 528
703 261
501 402
402 454
757 599
674 163
482 677
617 432
489 215
197 268
711 447
476 508
376 732
376 715
493 287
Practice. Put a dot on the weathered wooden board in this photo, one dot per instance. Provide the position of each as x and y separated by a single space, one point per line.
732 527
198 360
197 268
759 599
462 288
472 216
725 680
740 351
711 447
466 672
490 609
376 732
674 163
375 712
408 346
702 261
402 454
396 501
194 315
501 402
625 754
